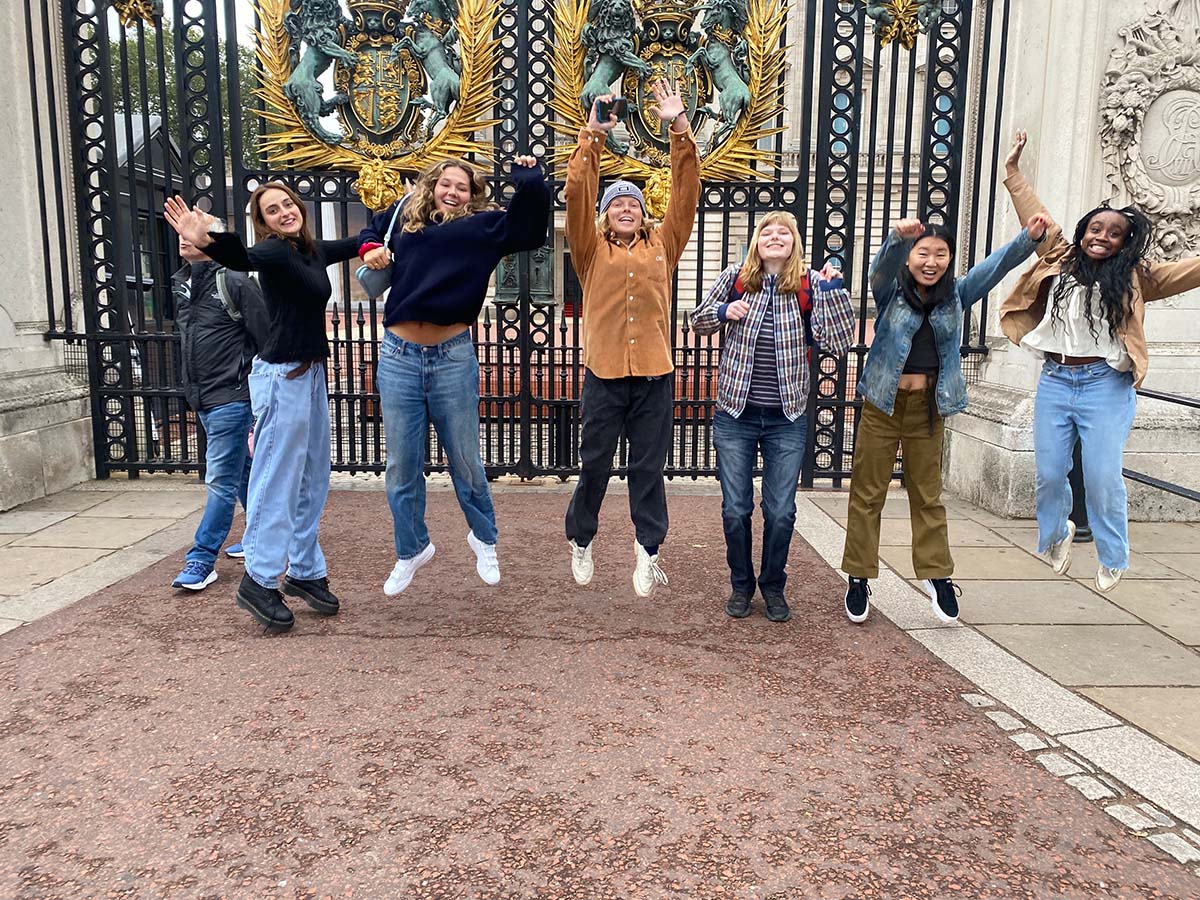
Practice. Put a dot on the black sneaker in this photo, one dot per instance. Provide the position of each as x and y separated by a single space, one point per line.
857 604
943 595
313 591
738 605
265 604
777 608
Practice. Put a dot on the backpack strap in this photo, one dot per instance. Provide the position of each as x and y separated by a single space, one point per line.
226 300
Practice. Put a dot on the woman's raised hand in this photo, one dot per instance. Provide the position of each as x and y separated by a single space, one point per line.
528 162
191 223
668 102
829 272
594 124
1012 162
1038 225
909 229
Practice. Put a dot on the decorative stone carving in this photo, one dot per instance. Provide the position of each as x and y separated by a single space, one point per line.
1150 121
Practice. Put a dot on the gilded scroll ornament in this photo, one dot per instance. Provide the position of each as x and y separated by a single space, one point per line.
724 56
133 11
413 82
903 20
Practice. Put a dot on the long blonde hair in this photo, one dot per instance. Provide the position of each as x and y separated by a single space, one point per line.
794 270
420 210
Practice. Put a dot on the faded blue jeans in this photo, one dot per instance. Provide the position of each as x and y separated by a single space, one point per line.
421 385
289 479
227 474
738 441
1097 403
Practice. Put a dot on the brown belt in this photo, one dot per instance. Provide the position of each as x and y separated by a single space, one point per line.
1074 360
302 368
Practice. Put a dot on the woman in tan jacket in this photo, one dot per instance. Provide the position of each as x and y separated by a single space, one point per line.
625 263
1081 309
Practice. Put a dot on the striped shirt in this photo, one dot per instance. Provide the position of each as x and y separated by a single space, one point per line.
832 329
764 376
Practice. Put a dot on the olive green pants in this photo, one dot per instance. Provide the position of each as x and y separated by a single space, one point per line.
874 459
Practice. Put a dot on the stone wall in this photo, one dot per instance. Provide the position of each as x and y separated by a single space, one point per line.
45 427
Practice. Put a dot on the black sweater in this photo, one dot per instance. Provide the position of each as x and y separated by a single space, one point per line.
295 287
441 273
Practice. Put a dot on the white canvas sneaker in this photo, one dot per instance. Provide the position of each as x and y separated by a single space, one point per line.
646 574
404 570
1059 555
581 564
1107 579
486 563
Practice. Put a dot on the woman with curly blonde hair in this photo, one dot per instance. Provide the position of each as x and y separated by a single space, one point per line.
448 241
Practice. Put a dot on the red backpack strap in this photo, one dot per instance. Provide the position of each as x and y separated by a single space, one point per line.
736 290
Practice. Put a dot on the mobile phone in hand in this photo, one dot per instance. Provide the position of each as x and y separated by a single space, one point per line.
618 106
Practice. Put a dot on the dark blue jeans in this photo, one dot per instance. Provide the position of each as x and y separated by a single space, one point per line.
738 441
227 474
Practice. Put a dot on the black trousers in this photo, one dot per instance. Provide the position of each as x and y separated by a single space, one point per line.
644 409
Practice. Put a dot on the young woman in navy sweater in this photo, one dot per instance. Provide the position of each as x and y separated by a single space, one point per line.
289 478
447 242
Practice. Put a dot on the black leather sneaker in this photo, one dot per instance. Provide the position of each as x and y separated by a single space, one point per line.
313 591
265 604
943 597
737 606
857 604
777 607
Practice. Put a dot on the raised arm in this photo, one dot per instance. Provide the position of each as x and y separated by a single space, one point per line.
708 316
1024 200
685 172
980 279
582 188
885 267
1170 278
832 312
339 250
524 224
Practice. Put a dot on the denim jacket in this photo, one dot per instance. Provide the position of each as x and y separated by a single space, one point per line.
896 322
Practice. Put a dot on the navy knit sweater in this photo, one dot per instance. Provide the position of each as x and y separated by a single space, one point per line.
441 273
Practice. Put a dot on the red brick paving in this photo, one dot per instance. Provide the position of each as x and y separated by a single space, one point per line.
534 741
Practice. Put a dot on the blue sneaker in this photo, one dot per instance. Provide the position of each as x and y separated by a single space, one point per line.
196 576
235 551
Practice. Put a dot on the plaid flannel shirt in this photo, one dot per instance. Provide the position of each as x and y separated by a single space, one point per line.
832 328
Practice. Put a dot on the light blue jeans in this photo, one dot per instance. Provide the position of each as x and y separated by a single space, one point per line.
226 472
1096 403
289 479
438 384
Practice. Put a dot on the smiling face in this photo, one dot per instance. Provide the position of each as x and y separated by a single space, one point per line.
1105 234
625 217
928 261
775 243
280 213
452 190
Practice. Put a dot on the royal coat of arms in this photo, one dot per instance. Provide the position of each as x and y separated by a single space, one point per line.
725 56
412 84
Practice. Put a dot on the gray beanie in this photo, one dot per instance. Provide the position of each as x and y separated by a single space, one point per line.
622 189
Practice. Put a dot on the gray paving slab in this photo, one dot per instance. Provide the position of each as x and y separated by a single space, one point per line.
1025 601
1044 704
1177 847
1171 714
6 539
1084 564
963 533
76 585
1098 655
90 532
18 521
160 504
1161 775
71 501
1164 537
1172 606
9 624
1187 564
976 563
1090 787
26 568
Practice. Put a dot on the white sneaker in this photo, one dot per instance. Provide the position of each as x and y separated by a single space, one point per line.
646 575
486 563
1107 579
581 563
1059 555
404 570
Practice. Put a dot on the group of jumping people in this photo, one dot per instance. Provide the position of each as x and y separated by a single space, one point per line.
1080 308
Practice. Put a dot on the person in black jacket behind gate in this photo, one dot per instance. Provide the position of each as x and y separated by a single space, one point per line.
221 321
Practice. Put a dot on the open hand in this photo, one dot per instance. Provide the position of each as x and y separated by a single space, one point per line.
1012 162
379 258
909 229
191 223
1038 225
668 102
737 310
594 123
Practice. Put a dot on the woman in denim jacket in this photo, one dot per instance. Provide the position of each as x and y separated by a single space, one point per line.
911 381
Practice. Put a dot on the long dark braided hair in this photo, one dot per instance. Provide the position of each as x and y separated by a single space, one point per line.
943 288
1114 276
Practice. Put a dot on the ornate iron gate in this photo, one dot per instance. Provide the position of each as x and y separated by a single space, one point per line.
163 100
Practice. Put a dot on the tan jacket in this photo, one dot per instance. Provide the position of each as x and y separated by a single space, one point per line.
627 289
1025 307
